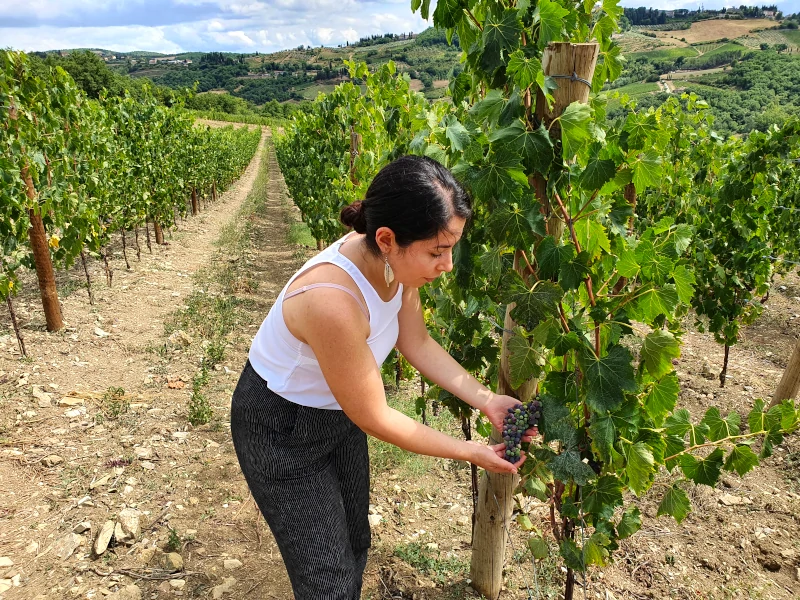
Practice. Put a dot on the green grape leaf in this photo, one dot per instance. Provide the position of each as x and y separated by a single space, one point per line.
538 547
549 257
568 466
575 125
551 17
574 271
526 70
608 378
593 237
597 172
719 428
627 265
500 35
661 399
630 523
684 284
501 177
595 549
491 262
457 134
535 147
603 435
601 497
675 503
536 303
658 350
704 471
572 555
741 459
654 302
524 361
646 170
510 225
640 467
489 108
674 446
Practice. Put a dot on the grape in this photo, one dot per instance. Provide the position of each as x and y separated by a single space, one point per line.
519 419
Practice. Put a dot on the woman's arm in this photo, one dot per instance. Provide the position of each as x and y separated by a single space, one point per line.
333 331
430 359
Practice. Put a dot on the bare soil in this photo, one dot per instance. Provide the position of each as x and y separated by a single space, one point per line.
716 29
742 539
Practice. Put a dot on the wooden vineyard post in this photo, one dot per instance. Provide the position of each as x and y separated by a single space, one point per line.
159 233
571 65
195 206
789 385
41 258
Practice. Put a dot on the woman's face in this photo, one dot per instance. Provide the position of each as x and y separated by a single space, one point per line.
424 260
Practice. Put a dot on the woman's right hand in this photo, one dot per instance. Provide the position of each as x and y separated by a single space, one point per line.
491 458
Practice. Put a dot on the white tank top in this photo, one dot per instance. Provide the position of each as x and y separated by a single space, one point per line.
289 366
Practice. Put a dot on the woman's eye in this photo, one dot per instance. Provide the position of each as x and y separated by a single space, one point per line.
436 255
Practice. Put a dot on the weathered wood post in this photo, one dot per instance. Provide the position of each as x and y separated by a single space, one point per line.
568 64
789 385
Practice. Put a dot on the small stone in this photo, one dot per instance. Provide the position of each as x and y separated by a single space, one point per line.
129 592
71 414
32 548
180 338
730 500
128 522
374 520
70 401
231 564
463 520
224 588
143 453
65 546
147 465
43 398
173 562
194 501
6 562
5 585
147 555
432 546
103 538
52 460
177 584
82 527
100 333
790 553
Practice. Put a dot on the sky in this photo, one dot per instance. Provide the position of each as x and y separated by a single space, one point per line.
172 26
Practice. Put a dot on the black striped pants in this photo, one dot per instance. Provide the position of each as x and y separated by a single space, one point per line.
308 471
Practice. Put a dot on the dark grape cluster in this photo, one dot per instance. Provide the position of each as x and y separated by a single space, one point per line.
519 419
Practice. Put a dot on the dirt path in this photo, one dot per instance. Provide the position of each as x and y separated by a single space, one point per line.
108 451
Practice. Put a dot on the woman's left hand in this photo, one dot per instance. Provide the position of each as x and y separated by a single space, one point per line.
497 409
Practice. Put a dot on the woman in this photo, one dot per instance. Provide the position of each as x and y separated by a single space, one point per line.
312 388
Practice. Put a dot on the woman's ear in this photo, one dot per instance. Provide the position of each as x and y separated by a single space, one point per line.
385 239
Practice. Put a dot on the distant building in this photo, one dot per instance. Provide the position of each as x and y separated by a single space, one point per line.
669 14
770 14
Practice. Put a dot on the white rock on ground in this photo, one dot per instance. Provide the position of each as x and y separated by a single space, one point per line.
129 592
52 460
231 563
128 528
223 588
103 538
6 562
65 546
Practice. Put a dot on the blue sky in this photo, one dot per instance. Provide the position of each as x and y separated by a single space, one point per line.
228 25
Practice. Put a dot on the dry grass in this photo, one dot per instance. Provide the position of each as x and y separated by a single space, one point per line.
716 29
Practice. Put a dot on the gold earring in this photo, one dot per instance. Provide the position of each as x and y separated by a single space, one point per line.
388 274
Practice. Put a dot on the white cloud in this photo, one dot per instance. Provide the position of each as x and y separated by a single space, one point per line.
171 26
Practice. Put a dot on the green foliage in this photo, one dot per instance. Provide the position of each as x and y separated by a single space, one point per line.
150 157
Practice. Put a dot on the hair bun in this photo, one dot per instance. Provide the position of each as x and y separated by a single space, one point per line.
353 216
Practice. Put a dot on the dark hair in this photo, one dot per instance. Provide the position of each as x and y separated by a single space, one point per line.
414 196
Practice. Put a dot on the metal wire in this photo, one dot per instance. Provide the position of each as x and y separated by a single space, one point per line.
573 77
